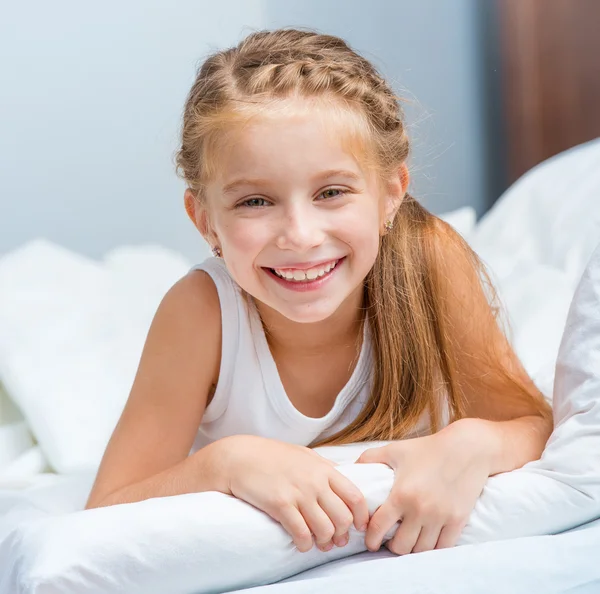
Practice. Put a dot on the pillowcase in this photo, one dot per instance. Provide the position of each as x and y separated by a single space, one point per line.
71 335
210 542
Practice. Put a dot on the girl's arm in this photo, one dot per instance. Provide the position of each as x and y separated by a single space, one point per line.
147 455
509 444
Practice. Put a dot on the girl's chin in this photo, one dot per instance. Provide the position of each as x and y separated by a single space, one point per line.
309 319
310 313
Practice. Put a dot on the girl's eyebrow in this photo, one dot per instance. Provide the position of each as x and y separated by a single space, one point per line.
232 186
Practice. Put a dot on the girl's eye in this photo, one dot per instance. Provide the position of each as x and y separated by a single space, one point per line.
261 202
339 191
253 202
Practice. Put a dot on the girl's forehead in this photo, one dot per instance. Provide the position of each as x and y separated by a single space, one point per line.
323 132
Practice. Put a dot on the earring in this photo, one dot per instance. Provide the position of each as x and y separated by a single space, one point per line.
389 225
216 252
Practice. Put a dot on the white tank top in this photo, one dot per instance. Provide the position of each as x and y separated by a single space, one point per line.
249 397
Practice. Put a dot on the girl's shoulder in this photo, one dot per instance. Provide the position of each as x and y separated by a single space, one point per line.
190 314
192 310
171 389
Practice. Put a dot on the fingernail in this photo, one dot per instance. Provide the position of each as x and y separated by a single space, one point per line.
363 528
342 542
328 547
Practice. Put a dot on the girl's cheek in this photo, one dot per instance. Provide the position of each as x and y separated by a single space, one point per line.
244 236
362 233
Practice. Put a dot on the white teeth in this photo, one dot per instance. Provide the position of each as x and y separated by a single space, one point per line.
303 275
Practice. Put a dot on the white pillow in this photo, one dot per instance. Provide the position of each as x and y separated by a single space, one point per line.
15 437
209 542
25 470
550 216
537 302
71 334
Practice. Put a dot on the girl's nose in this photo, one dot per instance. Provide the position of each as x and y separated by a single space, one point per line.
300 230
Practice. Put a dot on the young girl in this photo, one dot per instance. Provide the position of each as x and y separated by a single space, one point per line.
336 309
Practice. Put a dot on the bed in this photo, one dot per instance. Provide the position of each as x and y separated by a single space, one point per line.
86 332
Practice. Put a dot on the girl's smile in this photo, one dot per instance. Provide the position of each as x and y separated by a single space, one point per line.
301 278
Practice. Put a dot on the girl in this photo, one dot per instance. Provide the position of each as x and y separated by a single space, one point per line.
336 310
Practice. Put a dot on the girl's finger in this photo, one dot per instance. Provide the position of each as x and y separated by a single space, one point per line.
449 536
339 513
406 537
428 538
352 496
295 525
381 522
319 523
373 455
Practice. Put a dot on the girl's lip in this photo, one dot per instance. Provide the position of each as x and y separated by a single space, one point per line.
304 265
311 285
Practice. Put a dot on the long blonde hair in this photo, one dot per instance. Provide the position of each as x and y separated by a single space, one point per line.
414 343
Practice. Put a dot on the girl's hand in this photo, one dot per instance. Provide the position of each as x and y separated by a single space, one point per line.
295 486
438 481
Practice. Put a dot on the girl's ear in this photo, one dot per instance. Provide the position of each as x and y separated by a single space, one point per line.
199 216
396 190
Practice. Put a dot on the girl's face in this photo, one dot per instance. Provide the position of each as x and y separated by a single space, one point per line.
296 219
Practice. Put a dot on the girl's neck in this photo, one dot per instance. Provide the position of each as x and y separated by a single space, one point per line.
342 328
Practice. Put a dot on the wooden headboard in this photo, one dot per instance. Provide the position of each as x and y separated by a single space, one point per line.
550 77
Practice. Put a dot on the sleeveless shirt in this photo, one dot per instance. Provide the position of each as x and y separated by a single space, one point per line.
249 397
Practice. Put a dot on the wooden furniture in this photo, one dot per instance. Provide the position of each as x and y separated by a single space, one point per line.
549 54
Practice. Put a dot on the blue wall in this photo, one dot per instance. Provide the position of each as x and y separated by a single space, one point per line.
92 95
